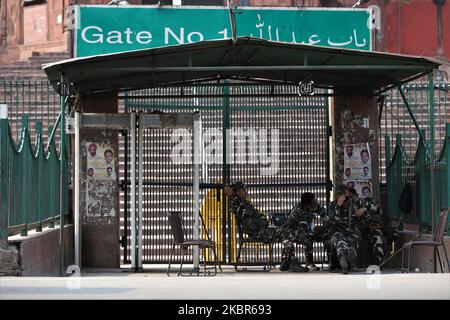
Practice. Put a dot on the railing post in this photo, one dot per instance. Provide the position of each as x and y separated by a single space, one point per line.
77 221
25 174
133 191
4 175
432 160
62 166
39 158
432 150
447 165
226 159
399 167
140 162
51 186
196 188
387 149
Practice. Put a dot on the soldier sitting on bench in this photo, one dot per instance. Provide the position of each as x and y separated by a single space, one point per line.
372 226
345 215
256 226
302 216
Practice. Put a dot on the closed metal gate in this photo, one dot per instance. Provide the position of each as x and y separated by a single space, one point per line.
277 144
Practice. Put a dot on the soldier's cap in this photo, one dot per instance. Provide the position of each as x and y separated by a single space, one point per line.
341 189
237 185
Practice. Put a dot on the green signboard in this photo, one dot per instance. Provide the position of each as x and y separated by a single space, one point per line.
108 29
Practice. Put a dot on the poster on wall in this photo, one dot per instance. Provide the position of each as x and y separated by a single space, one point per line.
99 198
100 180
364 188
100 161
357 162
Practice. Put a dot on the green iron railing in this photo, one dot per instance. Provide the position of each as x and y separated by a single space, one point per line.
30 180
30 158
418 173
442 169
396 121
409 158
35 98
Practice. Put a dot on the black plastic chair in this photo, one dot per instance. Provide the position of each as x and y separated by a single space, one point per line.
176 224
438 240
244 239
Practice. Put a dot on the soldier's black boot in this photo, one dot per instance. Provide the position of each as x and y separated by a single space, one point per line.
285 264
287 255
334 262
310 264
345 266
297 267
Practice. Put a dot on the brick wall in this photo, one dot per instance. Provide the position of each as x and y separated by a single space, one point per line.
35 30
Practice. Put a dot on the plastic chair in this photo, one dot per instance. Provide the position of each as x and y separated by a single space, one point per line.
176 224
244 239
438 240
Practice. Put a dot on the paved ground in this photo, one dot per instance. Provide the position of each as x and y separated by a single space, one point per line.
229 285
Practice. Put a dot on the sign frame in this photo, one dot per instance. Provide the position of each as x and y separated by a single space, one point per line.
76 23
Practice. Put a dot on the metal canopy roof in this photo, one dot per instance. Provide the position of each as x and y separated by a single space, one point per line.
245 59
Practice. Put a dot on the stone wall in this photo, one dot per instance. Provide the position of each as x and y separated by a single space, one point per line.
9 261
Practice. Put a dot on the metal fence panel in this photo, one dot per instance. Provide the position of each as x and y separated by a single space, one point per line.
30 163
301 125
412 157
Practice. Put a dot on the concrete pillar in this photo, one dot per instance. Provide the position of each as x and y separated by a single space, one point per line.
350 116
99 195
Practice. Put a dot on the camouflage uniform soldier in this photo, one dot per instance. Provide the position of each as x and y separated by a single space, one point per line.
256 226
344 219
373 224
301 217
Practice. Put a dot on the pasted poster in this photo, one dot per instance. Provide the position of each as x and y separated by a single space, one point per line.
357 162
100 161
101 180
364 188
100 198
